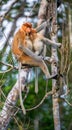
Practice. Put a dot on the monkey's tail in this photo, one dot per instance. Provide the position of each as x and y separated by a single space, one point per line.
20 91
36 80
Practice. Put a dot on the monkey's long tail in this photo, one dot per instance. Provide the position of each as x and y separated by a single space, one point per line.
20 91
36 80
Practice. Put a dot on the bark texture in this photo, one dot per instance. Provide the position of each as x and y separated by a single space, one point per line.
55 83
9 106
48 9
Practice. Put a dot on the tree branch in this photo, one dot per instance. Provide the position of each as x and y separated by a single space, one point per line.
6 13
41 102
64 99
9 65
6 71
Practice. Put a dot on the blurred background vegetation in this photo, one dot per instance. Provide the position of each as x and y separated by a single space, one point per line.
42 117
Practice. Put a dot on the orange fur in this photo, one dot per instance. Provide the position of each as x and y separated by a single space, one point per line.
20 38
28 37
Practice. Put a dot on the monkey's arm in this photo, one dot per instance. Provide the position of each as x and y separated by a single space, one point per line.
43 25
33 59
48 41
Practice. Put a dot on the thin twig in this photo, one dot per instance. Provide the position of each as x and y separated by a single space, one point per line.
6 71
41 102
38 105
9 65
2 93
16 121
64 99
31 11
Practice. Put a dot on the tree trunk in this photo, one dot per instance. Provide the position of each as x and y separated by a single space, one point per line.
55 83
47 10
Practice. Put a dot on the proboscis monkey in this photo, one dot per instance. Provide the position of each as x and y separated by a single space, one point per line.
27 46
29 39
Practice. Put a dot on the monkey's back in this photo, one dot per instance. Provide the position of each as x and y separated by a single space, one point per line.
18 39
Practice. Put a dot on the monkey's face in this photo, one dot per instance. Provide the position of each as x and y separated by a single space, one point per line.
28 31
31 33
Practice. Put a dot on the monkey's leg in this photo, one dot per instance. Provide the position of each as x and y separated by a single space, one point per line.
28 60
32 59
